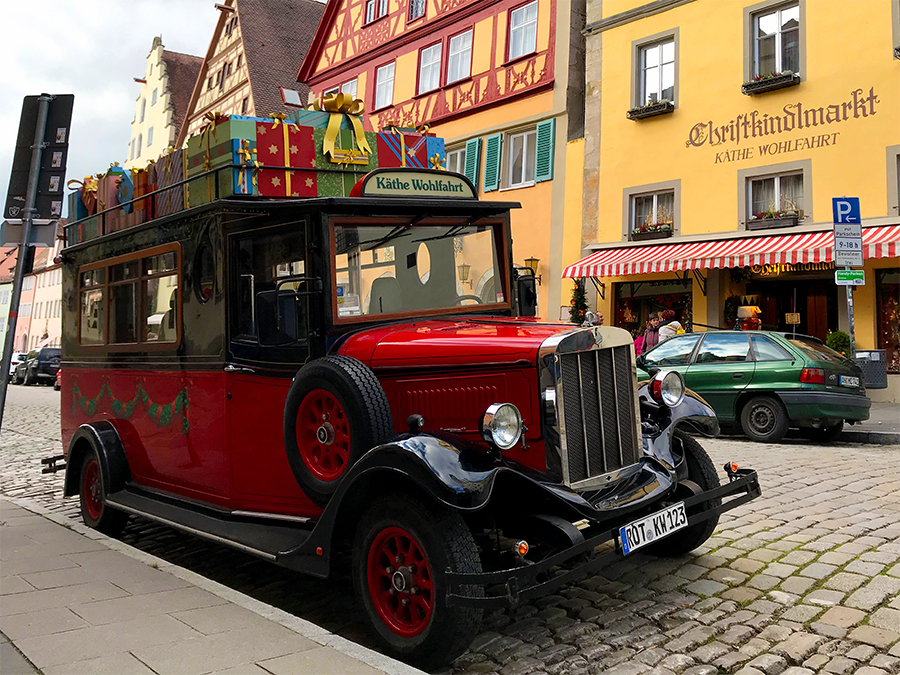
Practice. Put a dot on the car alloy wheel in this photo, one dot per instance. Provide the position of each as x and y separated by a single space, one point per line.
763 419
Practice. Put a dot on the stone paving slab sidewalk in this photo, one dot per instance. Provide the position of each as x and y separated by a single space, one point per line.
75 601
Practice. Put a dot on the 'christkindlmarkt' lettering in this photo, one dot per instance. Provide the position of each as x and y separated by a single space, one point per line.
746 126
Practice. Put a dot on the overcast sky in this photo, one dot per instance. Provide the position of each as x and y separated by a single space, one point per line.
93 49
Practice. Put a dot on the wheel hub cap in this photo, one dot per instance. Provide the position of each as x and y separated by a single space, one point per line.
402 580
325 434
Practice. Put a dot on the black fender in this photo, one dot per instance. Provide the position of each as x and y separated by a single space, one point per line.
102 437
660 422
464 477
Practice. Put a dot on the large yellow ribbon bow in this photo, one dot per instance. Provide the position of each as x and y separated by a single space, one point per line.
245 152
338 105
437 162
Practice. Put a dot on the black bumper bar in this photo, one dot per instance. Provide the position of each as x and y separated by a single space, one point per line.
521 584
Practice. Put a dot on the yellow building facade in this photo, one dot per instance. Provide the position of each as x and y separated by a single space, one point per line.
717 133
501 82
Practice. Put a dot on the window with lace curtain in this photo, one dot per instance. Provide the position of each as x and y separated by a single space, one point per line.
653 212
416 9
775 196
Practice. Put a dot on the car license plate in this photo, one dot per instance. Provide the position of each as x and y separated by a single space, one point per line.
849 381
647 530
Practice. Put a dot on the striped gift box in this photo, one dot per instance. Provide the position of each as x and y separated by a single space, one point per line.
169 171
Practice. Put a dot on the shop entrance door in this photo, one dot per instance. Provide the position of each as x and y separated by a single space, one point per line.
815 300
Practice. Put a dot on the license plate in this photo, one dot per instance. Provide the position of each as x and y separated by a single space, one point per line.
647 530
849 381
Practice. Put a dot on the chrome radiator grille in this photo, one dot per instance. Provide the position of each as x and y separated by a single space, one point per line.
598 412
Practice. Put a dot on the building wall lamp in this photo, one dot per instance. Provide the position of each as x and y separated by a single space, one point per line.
532 264
463 270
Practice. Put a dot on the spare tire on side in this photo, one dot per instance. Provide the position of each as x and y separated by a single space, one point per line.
336 410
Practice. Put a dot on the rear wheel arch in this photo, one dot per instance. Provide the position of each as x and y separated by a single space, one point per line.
102 438
747 395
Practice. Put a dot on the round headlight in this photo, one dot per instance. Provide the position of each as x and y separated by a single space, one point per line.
502 425
667 386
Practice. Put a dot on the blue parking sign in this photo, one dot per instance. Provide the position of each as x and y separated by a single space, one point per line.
846 209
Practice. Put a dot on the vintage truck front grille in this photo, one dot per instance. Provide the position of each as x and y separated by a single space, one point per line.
598 410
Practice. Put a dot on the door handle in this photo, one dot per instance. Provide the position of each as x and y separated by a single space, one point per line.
238 369
737 376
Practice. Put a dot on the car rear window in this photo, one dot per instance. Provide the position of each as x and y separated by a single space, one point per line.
816 350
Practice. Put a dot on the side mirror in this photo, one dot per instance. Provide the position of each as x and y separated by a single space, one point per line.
526 292
639 362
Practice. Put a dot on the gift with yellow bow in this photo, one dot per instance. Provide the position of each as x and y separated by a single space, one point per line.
83 201
408 147
339 144
282 147
169 170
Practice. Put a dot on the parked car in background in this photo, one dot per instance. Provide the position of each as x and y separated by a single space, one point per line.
40 366
17 358
767 382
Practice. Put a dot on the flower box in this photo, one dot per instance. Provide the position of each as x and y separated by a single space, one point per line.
772 223
661 108
651 234
770 83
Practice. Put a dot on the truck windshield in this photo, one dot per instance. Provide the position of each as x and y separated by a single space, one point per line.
387 269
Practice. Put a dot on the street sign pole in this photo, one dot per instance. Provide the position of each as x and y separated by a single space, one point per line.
848 249
852 324
27 216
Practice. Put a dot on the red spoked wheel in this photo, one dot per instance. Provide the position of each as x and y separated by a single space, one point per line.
95 512
401 553
92 489
400 582
323 435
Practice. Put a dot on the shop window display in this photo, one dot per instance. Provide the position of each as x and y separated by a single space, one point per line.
888 321
635 302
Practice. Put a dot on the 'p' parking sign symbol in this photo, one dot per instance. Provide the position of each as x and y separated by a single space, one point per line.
846 209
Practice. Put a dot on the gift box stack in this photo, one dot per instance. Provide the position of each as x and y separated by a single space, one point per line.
320 152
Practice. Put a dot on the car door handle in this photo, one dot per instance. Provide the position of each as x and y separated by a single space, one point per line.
737 376
238 369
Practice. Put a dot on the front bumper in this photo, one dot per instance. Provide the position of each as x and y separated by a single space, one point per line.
521 584
809 405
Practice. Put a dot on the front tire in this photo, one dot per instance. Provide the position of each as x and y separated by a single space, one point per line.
402 548
702 473
28 379
764 419
92 494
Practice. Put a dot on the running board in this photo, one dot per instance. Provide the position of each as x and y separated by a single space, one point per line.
264 539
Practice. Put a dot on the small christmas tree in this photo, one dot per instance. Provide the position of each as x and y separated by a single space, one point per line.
579 303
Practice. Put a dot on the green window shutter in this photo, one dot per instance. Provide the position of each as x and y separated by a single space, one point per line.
473 160
492 147
543 157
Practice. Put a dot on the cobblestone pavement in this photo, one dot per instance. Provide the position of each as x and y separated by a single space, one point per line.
804 579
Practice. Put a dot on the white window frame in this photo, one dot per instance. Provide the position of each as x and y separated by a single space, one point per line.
332 90
346 88
416 5
456 160
777 190
143 108
382 85
779 67
462 56
433 53
375 9
509 142
633 224
149 137
642 64
140 141
513 28
153 98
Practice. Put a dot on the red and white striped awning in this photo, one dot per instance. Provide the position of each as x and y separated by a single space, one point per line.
812 247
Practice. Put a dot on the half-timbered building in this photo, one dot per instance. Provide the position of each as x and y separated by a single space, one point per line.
252 55
501 81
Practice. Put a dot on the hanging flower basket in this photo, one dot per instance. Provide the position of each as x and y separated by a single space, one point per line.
770 82
651 110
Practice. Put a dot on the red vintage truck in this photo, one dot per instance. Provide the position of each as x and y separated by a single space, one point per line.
309 380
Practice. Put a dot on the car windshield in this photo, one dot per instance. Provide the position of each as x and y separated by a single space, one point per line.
816 350
673 352
389 269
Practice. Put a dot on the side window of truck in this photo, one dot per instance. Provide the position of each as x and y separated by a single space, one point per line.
131 300
269 272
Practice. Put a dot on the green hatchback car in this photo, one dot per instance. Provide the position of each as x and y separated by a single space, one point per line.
767 382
